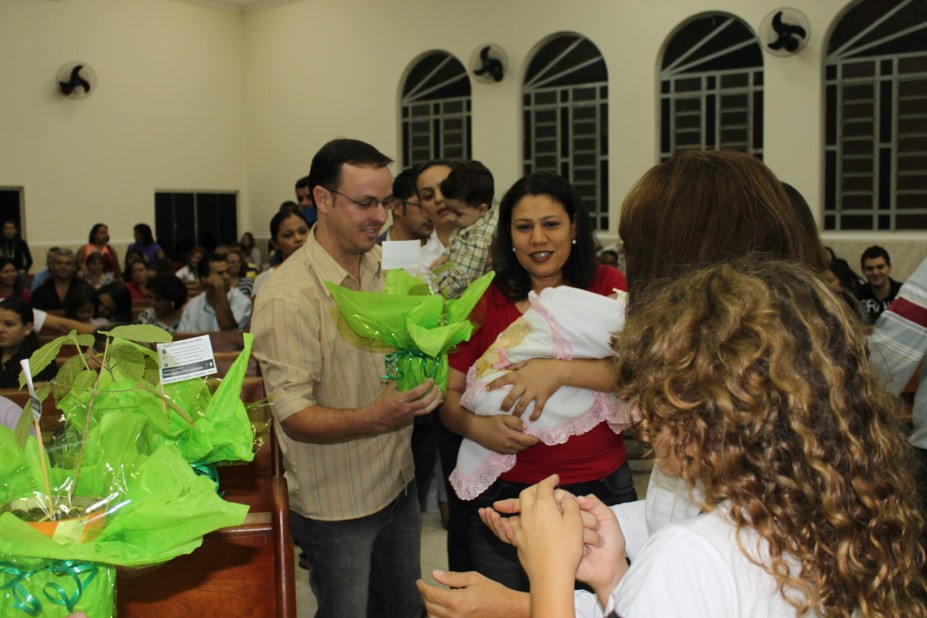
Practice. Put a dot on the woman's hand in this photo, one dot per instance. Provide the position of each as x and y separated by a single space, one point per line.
603 564
539 378
501 433
532 380
506 528
550 545
472 595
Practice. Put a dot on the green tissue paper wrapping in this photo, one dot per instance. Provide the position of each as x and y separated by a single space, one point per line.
419 326
131 469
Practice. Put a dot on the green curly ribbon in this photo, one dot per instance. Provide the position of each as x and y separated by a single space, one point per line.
82 572
393 372
208 471
23 600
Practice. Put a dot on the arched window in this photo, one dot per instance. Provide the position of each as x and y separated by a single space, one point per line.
875 156
436 110
711 87
565 101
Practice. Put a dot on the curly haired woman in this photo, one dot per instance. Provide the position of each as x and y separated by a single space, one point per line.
755 385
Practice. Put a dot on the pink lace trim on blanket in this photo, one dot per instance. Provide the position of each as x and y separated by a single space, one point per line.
562 349
496 464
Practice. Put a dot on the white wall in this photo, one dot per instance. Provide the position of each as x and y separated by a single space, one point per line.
168 111
297 88
200 98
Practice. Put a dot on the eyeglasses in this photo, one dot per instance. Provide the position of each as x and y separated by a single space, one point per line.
368 203
409 203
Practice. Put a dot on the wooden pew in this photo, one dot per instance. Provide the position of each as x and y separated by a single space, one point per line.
242 570
224 341
51 421
224 360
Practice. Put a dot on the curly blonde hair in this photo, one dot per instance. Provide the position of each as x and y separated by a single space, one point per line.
756 370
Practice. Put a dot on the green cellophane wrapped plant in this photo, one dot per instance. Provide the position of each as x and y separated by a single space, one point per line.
415 326
121 484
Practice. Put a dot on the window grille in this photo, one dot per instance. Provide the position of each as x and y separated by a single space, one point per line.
565 115
875 82
436 111
711 87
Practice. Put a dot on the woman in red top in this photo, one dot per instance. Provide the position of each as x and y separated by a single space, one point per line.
544 239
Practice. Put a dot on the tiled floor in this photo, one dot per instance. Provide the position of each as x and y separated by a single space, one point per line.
434 546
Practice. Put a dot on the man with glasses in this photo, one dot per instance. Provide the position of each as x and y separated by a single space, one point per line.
354 509
409 219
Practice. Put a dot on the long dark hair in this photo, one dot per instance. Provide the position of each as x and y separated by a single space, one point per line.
24 309
511 277
145 230
120 295
93 231
17 283
80 296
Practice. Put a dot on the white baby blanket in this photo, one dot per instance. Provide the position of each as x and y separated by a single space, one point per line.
561 323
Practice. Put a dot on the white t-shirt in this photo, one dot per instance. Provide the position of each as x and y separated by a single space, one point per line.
433 249
695 568
261 280
38 320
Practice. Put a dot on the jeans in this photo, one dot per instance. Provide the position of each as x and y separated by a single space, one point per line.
499 561
367 566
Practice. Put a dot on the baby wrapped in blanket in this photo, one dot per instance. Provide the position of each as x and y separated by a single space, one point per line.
561 323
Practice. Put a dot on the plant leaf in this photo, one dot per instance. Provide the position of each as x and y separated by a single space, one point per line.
23 426
46 355
64 380
84 381
127 360
42 391
143 333
81 341
152 373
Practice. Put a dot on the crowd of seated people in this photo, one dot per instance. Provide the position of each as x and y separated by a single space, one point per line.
93 287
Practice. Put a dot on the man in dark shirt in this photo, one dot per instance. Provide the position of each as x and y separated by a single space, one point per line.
54 292
304 199
880 290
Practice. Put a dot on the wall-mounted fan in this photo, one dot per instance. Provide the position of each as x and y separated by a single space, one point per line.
785 32
487 63
76 80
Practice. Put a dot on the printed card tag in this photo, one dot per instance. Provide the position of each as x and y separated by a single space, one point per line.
185 359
